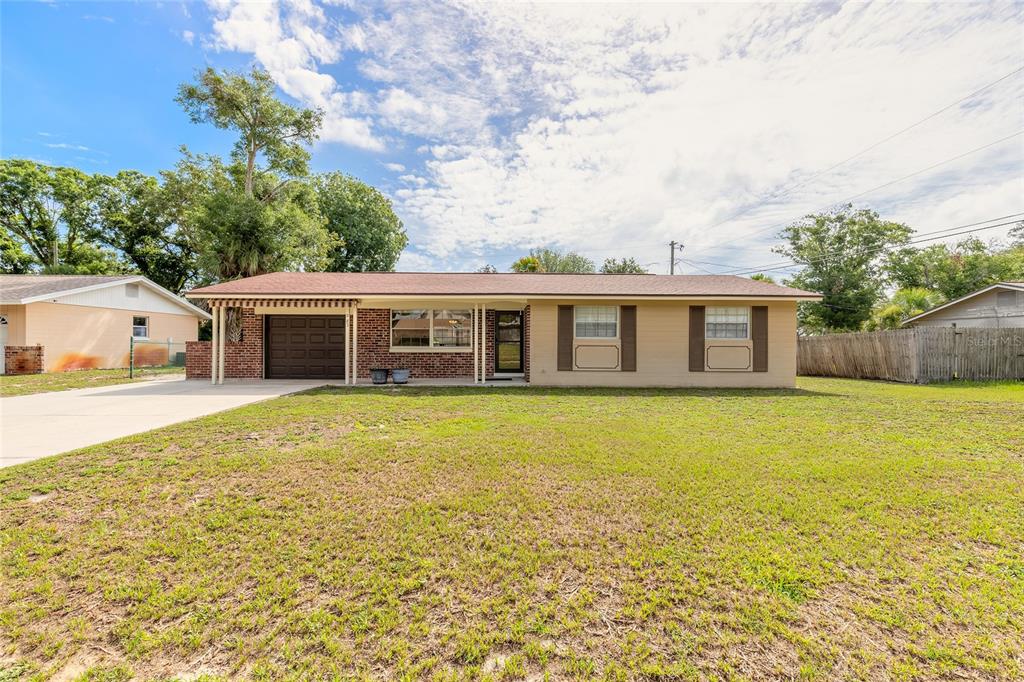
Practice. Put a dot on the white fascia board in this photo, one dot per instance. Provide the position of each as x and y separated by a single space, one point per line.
132 279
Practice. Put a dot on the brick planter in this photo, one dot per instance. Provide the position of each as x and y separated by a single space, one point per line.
23 359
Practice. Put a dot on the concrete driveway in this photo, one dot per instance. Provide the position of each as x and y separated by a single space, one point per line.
34 426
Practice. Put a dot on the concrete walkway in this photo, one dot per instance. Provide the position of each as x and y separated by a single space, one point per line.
34 426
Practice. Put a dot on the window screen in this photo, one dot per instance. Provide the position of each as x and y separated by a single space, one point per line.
140 327
727 322
410 328
597 321
452 328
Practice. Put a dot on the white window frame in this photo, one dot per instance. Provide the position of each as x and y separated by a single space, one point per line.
707 321
136 326
576 308
430 347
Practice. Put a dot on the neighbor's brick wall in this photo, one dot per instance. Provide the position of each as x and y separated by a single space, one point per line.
241 360
23 359
375 351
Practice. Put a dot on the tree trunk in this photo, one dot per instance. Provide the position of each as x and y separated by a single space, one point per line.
250 164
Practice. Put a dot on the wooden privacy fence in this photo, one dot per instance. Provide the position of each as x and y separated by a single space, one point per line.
916 355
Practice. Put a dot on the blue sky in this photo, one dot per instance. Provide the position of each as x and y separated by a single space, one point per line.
605 129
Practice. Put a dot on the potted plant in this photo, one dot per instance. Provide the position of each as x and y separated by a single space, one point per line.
379 376
400 376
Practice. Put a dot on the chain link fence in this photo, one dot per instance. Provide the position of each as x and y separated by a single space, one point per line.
150 356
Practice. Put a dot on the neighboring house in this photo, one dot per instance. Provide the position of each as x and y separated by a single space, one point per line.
1000 306
55 323
547 329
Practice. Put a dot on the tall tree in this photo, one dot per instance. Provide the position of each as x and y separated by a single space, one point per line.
624 266
266 126
140 219
761 277
550 260
279 228
370 235
904 304
843 254
51 212
14 260
954 271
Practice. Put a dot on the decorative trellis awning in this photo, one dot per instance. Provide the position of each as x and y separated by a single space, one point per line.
281 302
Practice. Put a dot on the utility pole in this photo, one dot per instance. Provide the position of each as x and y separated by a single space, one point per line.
672 258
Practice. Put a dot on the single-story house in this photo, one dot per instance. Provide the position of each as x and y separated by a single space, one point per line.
55 323
999 306
545 329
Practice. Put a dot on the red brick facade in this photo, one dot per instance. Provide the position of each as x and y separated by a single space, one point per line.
242 360
245 360
23 359
375 351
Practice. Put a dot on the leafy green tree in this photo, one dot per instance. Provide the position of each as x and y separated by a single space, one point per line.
549 260
14 260
279 228
487 269
904 304
527 264
624 266
843 254
761 277
51 212
370 235
140 219
1017 234
955 271
266 126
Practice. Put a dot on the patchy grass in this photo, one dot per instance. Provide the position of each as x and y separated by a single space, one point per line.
25 384
847 530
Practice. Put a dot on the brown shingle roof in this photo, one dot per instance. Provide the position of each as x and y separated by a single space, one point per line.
367 284
14 288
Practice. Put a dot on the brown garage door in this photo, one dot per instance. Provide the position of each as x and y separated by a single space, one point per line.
305 347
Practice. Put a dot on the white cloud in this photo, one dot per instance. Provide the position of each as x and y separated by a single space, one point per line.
611 129
65 145
188 36
394 167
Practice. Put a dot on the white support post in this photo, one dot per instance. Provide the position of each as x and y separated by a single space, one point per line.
215 309
355 344
220 342
476 359
348 342
483 344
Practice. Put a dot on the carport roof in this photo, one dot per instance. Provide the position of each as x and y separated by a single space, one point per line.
369 284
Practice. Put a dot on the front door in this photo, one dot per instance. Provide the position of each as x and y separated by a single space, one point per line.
508 342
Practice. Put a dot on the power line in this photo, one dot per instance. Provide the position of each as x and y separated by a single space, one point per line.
874 189
864 151
876 250
734 270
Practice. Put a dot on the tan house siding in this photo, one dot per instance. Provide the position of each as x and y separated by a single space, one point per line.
81 337
662 340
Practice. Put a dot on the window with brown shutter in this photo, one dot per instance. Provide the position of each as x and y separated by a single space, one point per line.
565 337
627 337
759 336
696 338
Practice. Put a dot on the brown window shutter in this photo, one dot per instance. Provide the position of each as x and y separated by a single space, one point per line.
759 336
696 338
565 336
627 334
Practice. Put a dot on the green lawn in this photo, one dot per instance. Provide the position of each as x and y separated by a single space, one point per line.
25 384
846 530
